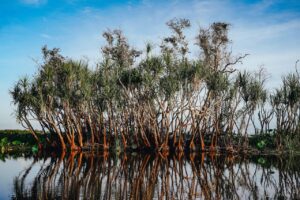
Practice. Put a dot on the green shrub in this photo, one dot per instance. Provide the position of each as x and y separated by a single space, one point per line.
4 142
263 141
34 148
261 144
261 161
17 142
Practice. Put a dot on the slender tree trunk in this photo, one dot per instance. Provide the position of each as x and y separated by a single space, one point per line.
28 124
61 139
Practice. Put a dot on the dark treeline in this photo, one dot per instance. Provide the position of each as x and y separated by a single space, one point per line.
95 176
158 99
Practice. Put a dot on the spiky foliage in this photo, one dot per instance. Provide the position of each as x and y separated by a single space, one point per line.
164 100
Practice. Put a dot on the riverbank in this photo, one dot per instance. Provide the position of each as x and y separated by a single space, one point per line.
18 140
22 141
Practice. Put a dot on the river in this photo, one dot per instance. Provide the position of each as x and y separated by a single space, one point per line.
144 176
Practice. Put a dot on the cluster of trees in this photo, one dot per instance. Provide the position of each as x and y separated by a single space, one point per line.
157 98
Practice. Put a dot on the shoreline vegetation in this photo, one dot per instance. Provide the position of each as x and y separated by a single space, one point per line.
21 141
160 99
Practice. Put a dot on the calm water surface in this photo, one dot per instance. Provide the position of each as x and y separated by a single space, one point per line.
98 176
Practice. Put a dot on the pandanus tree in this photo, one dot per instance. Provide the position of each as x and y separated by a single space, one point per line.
58 98
286 104
218 66
23 99
118 58
253 94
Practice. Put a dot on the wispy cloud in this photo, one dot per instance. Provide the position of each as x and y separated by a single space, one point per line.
262 5
87 10
46 36
34 2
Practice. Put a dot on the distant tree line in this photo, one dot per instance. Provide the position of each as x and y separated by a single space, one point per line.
158 100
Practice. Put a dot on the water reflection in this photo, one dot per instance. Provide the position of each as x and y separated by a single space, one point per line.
90 176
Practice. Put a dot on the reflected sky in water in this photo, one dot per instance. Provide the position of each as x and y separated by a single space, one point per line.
126 176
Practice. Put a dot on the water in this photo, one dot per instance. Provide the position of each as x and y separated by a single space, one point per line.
91 176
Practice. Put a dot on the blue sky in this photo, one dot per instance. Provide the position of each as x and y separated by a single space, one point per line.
268 30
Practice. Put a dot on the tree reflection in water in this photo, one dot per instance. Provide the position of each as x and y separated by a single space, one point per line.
91 176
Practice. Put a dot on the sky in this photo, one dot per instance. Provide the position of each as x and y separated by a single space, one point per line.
269 31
